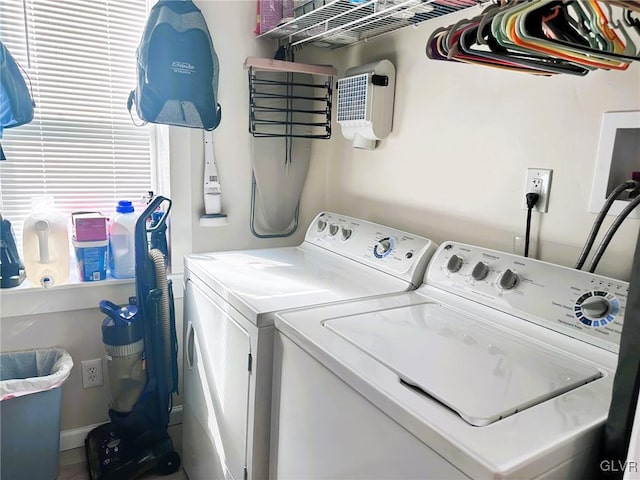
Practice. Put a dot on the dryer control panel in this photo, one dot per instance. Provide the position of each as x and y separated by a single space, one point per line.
583 305
396 252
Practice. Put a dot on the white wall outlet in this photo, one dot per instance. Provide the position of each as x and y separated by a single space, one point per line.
92 373
538 181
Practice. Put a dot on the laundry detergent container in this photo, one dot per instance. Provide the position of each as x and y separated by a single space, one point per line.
30 406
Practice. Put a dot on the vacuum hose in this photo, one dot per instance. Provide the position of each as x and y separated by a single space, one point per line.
165 313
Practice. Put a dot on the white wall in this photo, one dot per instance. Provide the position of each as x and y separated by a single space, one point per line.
464 135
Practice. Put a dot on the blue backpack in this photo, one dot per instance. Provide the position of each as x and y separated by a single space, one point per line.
16 104
177 68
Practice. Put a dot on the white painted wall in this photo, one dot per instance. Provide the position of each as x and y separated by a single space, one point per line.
464 135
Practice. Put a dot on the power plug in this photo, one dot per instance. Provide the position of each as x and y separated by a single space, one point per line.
538 181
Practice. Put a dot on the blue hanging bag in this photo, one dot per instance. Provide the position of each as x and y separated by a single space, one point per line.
16 104
177 69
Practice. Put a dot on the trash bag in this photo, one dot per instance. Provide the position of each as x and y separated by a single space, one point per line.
32 371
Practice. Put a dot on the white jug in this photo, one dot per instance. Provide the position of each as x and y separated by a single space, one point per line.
121 241
45 244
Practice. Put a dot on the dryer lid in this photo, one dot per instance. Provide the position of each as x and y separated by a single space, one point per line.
260 282
478 370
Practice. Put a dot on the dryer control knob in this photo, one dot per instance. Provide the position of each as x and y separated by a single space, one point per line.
333 229
454 264
346 233
480 271
596 307
321 225
509 279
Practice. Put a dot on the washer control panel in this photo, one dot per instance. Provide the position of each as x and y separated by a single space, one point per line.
394 251
581 304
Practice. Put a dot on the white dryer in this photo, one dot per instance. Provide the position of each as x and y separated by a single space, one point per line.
230 303
498 367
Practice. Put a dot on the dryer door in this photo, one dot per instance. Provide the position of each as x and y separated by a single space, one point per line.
216 390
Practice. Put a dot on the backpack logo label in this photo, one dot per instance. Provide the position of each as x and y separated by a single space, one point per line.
183 67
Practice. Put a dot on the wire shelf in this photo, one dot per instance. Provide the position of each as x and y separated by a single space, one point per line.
335 23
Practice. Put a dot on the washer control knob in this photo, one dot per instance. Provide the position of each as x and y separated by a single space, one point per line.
321 225
383 246
509 279
346 233
454 264
596 307
480 271
333 229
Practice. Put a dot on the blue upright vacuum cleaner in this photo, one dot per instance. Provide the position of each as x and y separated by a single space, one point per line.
141 345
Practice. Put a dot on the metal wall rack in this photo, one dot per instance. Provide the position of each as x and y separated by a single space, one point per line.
335 23
286 101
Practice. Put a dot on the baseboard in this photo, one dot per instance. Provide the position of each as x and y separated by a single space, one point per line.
74 437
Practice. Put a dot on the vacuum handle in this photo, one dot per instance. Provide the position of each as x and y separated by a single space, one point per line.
141 230
141 223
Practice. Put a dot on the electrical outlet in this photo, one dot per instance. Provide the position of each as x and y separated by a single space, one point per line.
538 181
92 373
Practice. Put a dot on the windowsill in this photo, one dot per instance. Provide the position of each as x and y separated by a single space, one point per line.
27 300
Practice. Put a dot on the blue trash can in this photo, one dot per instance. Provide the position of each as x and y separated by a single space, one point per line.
30 407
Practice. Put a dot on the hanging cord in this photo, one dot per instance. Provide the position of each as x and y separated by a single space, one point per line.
26 43
628 185
532 199
26 35
611 232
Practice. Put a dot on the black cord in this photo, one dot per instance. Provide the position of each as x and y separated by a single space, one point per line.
532 199
528 233
628 185
611 232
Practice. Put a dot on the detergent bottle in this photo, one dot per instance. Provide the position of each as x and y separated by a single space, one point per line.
45 240
121 241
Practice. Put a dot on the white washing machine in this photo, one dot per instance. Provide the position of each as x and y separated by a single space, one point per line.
230 303
498 367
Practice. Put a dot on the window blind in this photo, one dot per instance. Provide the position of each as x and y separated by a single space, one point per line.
82 147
